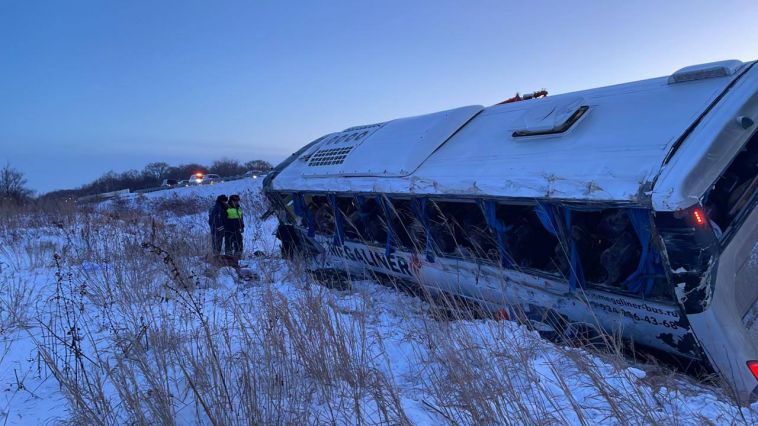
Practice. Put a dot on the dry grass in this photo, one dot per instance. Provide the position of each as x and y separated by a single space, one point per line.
137 328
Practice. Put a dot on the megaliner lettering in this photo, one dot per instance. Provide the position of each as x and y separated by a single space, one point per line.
365 255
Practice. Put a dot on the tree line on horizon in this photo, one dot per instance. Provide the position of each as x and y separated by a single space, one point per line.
13 187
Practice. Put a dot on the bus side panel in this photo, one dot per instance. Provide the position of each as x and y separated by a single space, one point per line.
728 330
654 324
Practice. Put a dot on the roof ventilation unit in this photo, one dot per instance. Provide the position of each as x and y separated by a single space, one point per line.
550 118
703 71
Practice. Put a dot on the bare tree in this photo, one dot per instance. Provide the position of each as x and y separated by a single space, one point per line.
227 167
13 185
258 165
157 170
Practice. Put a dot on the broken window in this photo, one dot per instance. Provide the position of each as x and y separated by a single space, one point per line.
608 246
459 229
442 231
407 229
350 217
528 243
735 188
320 210
368 221
285 200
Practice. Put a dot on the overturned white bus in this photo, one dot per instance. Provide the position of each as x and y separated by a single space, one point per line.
629 206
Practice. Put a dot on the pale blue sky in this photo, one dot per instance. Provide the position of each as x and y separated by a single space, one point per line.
90 86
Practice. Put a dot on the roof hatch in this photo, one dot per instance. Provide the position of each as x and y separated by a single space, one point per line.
548 117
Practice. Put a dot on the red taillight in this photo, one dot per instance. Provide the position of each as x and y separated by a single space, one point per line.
699 217
753 366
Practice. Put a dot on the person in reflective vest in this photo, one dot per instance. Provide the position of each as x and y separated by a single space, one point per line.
216 219
234 226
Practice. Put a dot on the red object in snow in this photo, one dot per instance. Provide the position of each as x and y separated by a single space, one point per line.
502 315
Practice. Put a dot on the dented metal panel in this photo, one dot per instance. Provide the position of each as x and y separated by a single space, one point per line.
651 323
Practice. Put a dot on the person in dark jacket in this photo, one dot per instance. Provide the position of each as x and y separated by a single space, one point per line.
234 226
216 219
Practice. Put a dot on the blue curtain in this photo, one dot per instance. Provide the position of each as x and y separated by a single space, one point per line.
360 200
576 276
419 208
489 208
339 224
388 216
303 212
642 279
547 218
552 218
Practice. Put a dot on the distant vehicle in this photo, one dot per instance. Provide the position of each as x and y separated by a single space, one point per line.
254 174
195 179
210 179
183 183
169 183
630 210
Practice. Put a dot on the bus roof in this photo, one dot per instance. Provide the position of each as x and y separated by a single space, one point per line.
604 144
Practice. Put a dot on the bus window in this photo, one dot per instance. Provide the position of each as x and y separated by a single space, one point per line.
735 188
406 227
443 234
527 241
369 221
286 201
350 218
459 229
608 246
321 210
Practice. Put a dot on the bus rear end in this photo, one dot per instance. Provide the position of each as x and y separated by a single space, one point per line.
731 323
715 268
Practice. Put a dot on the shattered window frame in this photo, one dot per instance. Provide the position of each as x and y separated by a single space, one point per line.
405 225
365 228
317 204
348 208
722 220
531 219
457 243
606 233
659 286
285 200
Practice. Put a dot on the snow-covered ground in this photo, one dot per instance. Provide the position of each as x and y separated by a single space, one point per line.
113 315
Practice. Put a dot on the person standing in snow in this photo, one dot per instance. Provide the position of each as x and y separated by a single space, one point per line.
216 219
234 226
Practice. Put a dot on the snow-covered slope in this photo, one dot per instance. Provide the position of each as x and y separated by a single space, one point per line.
208 191
115 316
